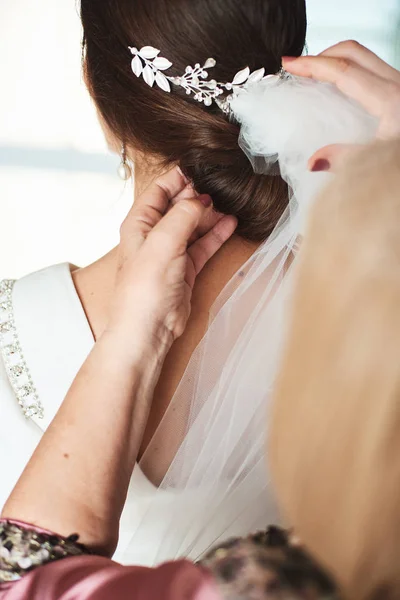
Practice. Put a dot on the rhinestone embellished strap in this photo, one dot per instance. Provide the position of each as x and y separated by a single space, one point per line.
11 351
23 549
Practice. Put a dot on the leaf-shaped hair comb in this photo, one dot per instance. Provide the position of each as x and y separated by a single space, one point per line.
148 63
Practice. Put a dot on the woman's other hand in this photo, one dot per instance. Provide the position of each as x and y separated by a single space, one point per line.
362 76
160 257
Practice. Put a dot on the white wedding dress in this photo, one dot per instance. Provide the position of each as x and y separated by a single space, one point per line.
45 338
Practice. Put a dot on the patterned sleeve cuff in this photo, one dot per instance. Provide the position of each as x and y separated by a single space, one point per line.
24 547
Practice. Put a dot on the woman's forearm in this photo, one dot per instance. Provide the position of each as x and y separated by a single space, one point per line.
78 478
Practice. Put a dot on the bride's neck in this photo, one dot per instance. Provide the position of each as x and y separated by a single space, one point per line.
95 283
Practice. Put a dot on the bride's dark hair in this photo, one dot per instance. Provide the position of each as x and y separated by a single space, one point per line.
175 127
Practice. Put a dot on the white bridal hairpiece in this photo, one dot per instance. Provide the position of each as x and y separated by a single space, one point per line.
148 63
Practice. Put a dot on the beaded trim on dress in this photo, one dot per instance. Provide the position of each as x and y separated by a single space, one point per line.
11 351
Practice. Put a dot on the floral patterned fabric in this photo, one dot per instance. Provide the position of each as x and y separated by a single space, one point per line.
266 566
24 547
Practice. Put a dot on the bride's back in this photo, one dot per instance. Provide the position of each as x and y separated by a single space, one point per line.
174 128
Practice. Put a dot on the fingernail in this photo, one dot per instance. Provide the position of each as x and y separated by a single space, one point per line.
186 180
205 199
322 164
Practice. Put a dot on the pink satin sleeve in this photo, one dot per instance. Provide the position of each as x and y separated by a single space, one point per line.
96 578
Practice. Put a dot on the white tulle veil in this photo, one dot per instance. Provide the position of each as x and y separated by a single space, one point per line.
217 484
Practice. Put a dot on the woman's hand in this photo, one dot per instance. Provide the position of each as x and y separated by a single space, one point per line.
78 477
159 259
360 75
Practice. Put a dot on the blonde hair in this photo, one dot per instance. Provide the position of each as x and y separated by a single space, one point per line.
335 436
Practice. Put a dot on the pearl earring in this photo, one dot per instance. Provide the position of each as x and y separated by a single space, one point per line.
124 169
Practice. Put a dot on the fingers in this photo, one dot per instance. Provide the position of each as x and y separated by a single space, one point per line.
364 58
209 220
188 193
177 227
162 191
149 209
205 248
367 88
330 158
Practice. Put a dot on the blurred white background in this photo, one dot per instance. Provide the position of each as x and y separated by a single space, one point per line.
61 199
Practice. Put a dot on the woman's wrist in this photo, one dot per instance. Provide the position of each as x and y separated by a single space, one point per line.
139 346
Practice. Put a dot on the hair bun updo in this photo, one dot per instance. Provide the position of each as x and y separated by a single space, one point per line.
216 165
